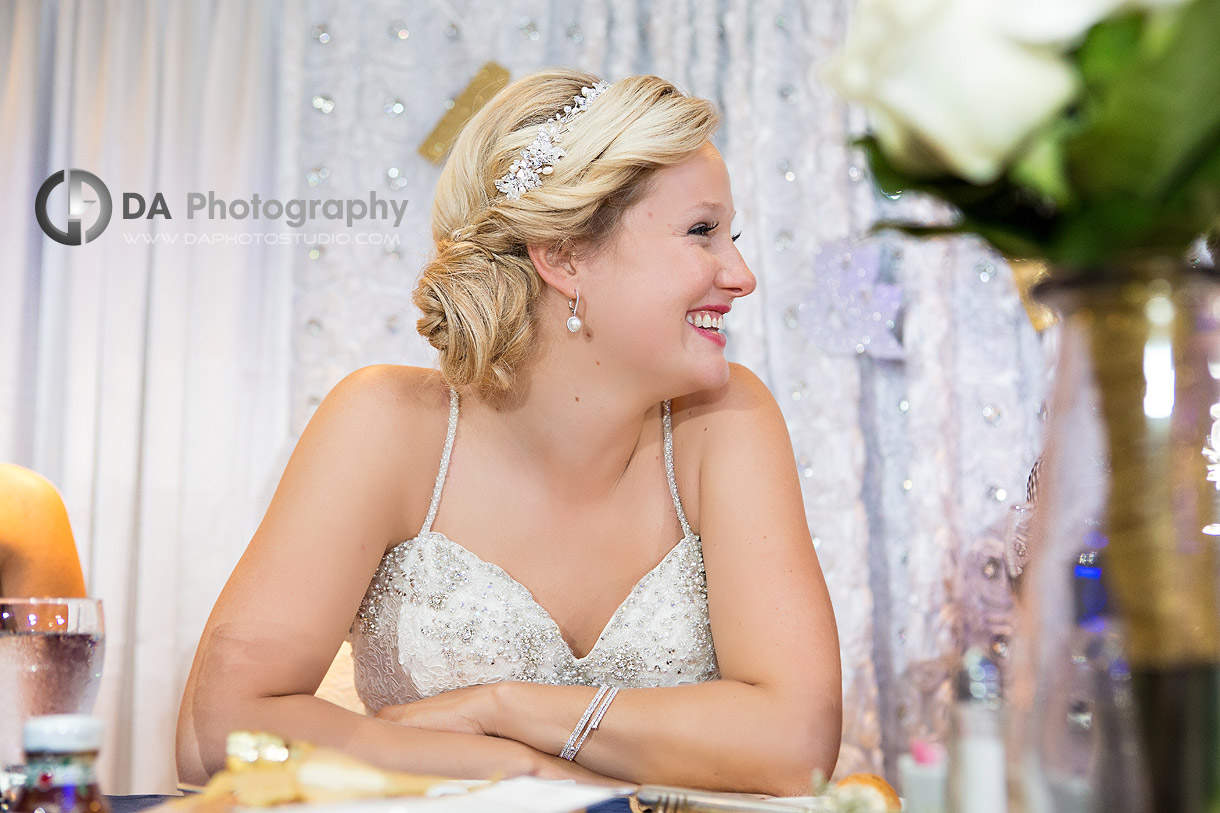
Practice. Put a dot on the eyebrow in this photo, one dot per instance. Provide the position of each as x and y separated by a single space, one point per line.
707 204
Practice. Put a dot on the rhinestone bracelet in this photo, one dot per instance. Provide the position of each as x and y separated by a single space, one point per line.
589 722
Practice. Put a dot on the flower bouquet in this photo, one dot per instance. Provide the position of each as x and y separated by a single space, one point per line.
1086 134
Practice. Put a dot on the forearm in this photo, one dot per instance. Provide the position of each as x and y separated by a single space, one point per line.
377 742
723 735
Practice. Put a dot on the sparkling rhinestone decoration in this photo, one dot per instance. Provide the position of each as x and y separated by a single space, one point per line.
853 311
317 176
539 158
529 30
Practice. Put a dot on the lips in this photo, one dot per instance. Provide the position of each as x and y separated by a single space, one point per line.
709 322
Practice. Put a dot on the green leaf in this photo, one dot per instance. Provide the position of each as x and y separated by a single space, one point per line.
1040 167
1107 49
1159 114
888 178
893 181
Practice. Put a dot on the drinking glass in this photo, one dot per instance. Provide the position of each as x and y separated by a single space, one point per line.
50 663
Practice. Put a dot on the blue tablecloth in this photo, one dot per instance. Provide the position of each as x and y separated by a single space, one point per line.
134 804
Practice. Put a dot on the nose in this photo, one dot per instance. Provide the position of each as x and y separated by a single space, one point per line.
735 276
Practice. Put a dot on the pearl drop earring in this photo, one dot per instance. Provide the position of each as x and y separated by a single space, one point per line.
574 320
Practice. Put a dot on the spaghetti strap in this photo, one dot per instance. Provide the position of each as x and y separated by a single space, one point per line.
669 471
444 468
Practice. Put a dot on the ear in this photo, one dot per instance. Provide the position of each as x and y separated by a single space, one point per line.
556 266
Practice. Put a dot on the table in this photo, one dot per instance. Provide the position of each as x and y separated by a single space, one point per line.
134 804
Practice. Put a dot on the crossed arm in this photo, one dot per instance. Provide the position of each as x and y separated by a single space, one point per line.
773 718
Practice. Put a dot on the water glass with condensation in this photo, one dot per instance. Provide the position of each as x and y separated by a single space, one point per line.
50 663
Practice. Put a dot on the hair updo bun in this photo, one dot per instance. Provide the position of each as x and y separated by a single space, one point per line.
479 291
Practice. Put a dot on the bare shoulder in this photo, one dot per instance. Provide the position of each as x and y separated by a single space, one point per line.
379 432
384 403
724 435
390 388
741 409
37 551
25 494
383 413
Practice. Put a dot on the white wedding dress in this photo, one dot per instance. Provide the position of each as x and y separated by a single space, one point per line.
437 617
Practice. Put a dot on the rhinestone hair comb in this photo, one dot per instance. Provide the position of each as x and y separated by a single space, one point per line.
539 158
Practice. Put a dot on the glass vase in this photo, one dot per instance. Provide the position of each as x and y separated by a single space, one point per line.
1114 705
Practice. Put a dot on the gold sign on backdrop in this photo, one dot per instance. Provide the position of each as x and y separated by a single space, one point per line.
485 84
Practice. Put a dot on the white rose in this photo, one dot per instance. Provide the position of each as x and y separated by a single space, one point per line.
946 86
1062 22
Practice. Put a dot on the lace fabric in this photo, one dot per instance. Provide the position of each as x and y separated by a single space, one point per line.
437 617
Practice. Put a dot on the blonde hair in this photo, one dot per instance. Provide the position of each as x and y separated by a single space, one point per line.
479 291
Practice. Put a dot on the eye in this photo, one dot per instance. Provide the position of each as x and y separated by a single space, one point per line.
703 229
735 236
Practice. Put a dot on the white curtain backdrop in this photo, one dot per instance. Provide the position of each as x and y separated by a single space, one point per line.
160 383
148 380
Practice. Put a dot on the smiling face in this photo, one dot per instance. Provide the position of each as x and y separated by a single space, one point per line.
657 296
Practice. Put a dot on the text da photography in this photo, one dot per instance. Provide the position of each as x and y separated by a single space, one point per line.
295 212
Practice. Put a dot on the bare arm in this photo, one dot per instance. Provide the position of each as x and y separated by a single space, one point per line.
37 552
287 606
776 714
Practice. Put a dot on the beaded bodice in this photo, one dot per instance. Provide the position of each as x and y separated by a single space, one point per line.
437 617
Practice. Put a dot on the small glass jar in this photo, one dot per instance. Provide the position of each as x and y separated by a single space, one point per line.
61 765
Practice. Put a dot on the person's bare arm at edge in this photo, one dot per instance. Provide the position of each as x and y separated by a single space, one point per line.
776 713
287 606
37 552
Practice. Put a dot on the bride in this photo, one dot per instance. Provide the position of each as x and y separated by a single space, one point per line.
607 570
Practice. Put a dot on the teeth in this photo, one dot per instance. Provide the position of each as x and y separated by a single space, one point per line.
706 319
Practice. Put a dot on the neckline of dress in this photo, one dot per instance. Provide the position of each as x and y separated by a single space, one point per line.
667 437
688 533
528 594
